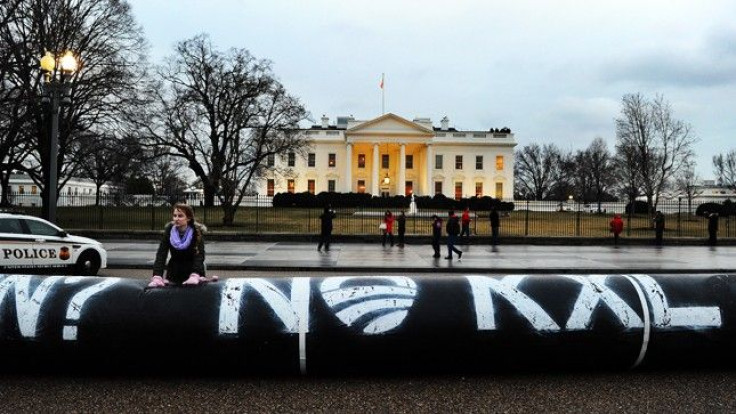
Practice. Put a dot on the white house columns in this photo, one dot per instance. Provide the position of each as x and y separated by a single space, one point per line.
401 184
349 168
374 171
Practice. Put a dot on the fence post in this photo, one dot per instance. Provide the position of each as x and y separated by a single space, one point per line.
153 215
100 217
577 219
309 220
526 219
679 218
258 208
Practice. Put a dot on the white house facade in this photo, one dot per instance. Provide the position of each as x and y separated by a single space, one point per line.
390 155
77 191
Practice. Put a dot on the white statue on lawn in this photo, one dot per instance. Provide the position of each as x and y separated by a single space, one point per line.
412 205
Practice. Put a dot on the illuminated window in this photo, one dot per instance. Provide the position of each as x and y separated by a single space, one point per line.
269 188
408 188
479 189
290 186
458 162
331 186
292 159
34 190
310 186
499 162
361 160
311 160
499 190
438 162
458 190
331 160
438 187
409 162
384 160
21 189
361 186
478 162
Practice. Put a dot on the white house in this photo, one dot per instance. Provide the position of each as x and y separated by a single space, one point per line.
77 191
391 155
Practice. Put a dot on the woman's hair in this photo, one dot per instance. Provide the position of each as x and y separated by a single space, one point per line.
189 212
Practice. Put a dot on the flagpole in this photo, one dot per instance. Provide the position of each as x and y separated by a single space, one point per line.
383 94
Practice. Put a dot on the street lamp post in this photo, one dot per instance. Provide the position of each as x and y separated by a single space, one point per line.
56 93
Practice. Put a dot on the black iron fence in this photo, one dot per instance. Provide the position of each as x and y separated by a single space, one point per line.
256 215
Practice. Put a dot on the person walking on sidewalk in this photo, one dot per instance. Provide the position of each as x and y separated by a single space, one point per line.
325 235
465 220
495 226
617 226
388 231
453 229
658 228
436 235
713 229
184 241
401 223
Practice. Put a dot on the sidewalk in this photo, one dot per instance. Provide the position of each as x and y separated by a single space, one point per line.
364 257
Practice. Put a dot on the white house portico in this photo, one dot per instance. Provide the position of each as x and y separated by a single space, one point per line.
390 155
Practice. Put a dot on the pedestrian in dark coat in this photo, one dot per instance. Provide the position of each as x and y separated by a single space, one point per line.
325 235
713 229
453 229
495 226
183 240
658 228
401 223
436 235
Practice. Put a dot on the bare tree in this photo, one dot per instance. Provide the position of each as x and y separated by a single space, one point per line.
601 168
109 159
536 168
654 143
724 166
223 113
105 36
686 183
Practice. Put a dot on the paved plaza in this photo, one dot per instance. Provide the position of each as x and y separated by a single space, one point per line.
222 255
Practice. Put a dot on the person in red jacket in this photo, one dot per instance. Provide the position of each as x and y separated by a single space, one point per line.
465 221
388 220
617 226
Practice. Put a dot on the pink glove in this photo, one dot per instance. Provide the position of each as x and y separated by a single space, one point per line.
157 281
194 279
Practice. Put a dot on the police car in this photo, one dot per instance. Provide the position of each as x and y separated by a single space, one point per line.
29 243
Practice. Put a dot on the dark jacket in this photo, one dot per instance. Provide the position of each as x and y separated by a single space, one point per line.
401 223
713 223
437 228
326 218
453 225
495 220
659 222
182 262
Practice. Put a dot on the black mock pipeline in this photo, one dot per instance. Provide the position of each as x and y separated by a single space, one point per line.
367 324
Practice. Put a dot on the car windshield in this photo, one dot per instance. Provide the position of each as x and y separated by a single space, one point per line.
40 228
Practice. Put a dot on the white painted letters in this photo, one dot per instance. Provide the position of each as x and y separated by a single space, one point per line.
74 310
594 290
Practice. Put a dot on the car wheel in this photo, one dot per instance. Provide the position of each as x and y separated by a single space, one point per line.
88 264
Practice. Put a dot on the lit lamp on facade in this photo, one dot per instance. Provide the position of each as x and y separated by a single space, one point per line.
56 92
386 180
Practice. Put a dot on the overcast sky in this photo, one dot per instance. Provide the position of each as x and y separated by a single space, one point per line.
552 71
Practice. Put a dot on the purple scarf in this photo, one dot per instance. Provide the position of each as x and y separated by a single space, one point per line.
177 242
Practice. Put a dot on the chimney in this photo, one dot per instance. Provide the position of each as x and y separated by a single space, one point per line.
325 121
444 123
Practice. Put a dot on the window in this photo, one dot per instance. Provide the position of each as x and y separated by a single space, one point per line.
269 188
384 160
39 228
361 160
458 190
310 186
499 190
478 162
499 162
479 189
10 225
408 188
290 185
21 189
311 159
331 160
438 187
409 162
361 186
34 189
270 160
292 159
458 162
438 162
331 186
